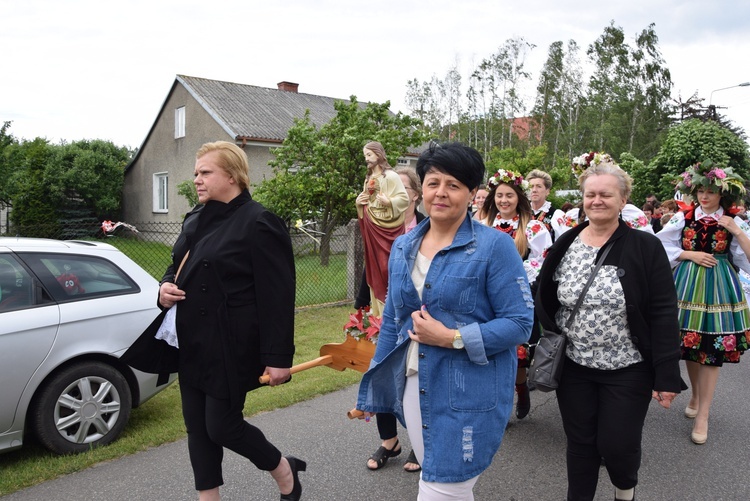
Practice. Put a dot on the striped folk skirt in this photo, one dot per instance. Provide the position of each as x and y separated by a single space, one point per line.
713 312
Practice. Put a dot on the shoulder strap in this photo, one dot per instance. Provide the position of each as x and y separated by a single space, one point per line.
599 263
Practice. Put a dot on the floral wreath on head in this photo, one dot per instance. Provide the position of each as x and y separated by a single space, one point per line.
708 175
507 177
583 162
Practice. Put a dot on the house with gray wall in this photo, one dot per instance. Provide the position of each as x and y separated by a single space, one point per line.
199 110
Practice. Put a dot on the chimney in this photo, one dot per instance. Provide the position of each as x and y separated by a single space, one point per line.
288 86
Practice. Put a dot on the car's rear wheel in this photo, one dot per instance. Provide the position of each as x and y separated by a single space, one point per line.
81 407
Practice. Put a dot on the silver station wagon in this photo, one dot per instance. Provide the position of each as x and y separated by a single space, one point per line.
68 311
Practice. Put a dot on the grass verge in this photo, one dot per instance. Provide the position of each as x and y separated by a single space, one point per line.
159 420
316 284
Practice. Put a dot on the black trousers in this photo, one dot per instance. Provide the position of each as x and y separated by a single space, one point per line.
363 294
213 424
603 412
386 425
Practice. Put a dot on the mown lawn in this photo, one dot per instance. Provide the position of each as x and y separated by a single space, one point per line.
316 284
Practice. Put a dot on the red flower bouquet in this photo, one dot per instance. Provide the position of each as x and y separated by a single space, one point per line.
363 324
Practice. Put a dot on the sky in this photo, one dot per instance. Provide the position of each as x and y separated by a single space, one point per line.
91 69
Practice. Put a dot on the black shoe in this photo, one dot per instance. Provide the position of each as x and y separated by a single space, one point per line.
296 465
523 404
382 454
412 459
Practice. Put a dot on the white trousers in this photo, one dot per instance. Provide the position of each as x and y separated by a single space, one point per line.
429 491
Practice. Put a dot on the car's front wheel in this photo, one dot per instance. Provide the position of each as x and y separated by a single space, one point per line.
83 406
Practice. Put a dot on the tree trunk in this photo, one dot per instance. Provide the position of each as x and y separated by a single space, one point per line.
633 125
325 247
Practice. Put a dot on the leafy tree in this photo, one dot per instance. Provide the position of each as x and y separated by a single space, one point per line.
649 91
513 159
501 75
88 175
627 103
33 208
645 179
425 102
697 141
6 166
610 56
559 101
55 184
320 171
548 99
187 190
693 108
482 116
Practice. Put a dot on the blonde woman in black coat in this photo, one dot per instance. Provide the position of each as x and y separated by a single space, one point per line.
235 318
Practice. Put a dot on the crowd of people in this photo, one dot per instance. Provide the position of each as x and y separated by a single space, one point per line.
665 288
464 292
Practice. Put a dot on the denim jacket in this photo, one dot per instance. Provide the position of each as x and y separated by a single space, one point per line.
476 285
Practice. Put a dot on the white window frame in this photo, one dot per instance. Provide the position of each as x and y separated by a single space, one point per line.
179 122
161 192
403 162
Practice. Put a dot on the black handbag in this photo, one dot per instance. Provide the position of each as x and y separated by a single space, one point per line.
547 362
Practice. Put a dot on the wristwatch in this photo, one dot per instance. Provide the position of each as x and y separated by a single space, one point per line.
458 341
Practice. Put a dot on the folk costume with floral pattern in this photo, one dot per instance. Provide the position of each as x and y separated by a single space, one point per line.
713 311
544 215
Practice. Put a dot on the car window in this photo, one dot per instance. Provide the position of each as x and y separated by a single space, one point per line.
15 285
70 277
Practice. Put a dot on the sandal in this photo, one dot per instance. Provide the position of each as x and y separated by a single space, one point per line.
412 460
382 454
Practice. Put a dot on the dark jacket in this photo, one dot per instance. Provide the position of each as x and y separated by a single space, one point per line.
650 297
238 313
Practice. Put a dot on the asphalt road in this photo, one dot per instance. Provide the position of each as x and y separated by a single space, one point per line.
529 466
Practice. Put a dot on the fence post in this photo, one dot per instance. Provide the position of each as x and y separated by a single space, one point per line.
355 259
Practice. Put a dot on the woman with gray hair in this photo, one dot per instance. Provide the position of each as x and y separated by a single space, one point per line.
623 345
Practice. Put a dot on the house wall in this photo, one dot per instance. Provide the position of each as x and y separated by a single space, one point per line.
162 152
258 156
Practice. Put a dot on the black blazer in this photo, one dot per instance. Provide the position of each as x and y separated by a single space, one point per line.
238 313
650 297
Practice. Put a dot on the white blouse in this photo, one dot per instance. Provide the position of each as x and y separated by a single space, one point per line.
418 276
539 239
546 206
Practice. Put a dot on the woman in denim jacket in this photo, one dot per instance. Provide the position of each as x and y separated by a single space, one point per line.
458 304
